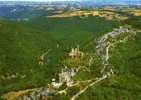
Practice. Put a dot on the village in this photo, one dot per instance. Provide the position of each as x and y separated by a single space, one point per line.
65 77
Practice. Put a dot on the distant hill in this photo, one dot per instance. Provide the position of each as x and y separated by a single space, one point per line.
27 10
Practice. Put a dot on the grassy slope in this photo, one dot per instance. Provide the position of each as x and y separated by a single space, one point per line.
22 43
126 84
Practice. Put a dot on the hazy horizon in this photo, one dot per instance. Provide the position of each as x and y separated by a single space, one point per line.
75 0
43 0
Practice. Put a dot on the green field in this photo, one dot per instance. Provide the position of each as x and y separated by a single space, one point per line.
21 44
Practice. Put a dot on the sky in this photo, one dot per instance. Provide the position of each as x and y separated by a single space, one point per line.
39 0
68 0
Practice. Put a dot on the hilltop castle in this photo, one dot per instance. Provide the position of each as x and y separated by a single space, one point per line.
75 53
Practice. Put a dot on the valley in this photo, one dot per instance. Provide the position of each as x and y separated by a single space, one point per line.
68 52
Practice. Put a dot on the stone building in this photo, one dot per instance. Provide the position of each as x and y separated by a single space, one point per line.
75 53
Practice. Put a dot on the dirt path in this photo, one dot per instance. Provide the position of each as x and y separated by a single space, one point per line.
103 48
